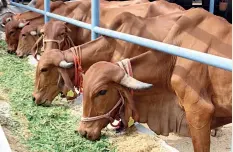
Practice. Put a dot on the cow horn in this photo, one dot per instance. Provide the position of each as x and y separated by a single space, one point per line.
8 19
135 84
21 25
64 64
33 33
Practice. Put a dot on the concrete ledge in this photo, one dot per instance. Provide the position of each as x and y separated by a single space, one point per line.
144 130
4 145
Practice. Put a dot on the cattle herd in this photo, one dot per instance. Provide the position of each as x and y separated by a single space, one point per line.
127 82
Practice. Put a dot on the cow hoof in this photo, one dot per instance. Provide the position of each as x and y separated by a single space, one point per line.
216 132
213 132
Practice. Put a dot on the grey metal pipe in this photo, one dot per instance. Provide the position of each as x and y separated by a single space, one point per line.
205 58
209 59
94 17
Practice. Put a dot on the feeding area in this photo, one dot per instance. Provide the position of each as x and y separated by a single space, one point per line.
115 76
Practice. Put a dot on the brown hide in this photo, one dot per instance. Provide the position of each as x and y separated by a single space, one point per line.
27 38
52 31
27 41
37 19
104 48
26 15
204 92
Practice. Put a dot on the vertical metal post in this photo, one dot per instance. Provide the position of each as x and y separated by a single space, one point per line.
211 6
94 17
46 9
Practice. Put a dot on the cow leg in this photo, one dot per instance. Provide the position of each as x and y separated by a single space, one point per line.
199 122
198 108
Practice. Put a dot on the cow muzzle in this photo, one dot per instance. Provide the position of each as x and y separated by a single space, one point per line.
19 54
93 133
11 51
40 102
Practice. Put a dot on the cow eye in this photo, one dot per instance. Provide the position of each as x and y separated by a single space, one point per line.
44 70
12 32
23 35
102 92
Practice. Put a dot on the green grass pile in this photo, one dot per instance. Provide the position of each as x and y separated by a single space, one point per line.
42 129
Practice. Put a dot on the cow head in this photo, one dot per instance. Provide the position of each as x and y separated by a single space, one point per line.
27 38
55 36
7 18
53 75
12 30
105 84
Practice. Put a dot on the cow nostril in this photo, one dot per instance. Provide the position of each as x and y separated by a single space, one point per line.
62 95
82 133
76 132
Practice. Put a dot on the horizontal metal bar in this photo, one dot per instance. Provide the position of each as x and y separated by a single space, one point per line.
209 59
58 17
205 58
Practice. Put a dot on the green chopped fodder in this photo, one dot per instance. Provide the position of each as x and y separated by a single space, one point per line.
41 129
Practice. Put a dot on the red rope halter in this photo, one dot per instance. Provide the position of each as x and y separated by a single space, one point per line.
78 68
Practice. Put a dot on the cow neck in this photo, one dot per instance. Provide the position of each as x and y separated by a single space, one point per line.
78 74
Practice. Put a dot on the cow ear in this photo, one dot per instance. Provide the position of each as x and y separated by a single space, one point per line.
68 85
22 24
41 29
129 112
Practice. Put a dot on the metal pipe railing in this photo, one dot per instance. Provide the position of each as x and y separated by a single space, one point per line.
46 9
211 6
205 58
209 59
95 5
52 15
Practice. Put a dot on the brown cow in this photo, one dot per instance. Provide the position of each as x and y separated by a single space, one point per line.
12 27
29 35
203 92
57 35
101 49
182 29
27 38
25 46
23 16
